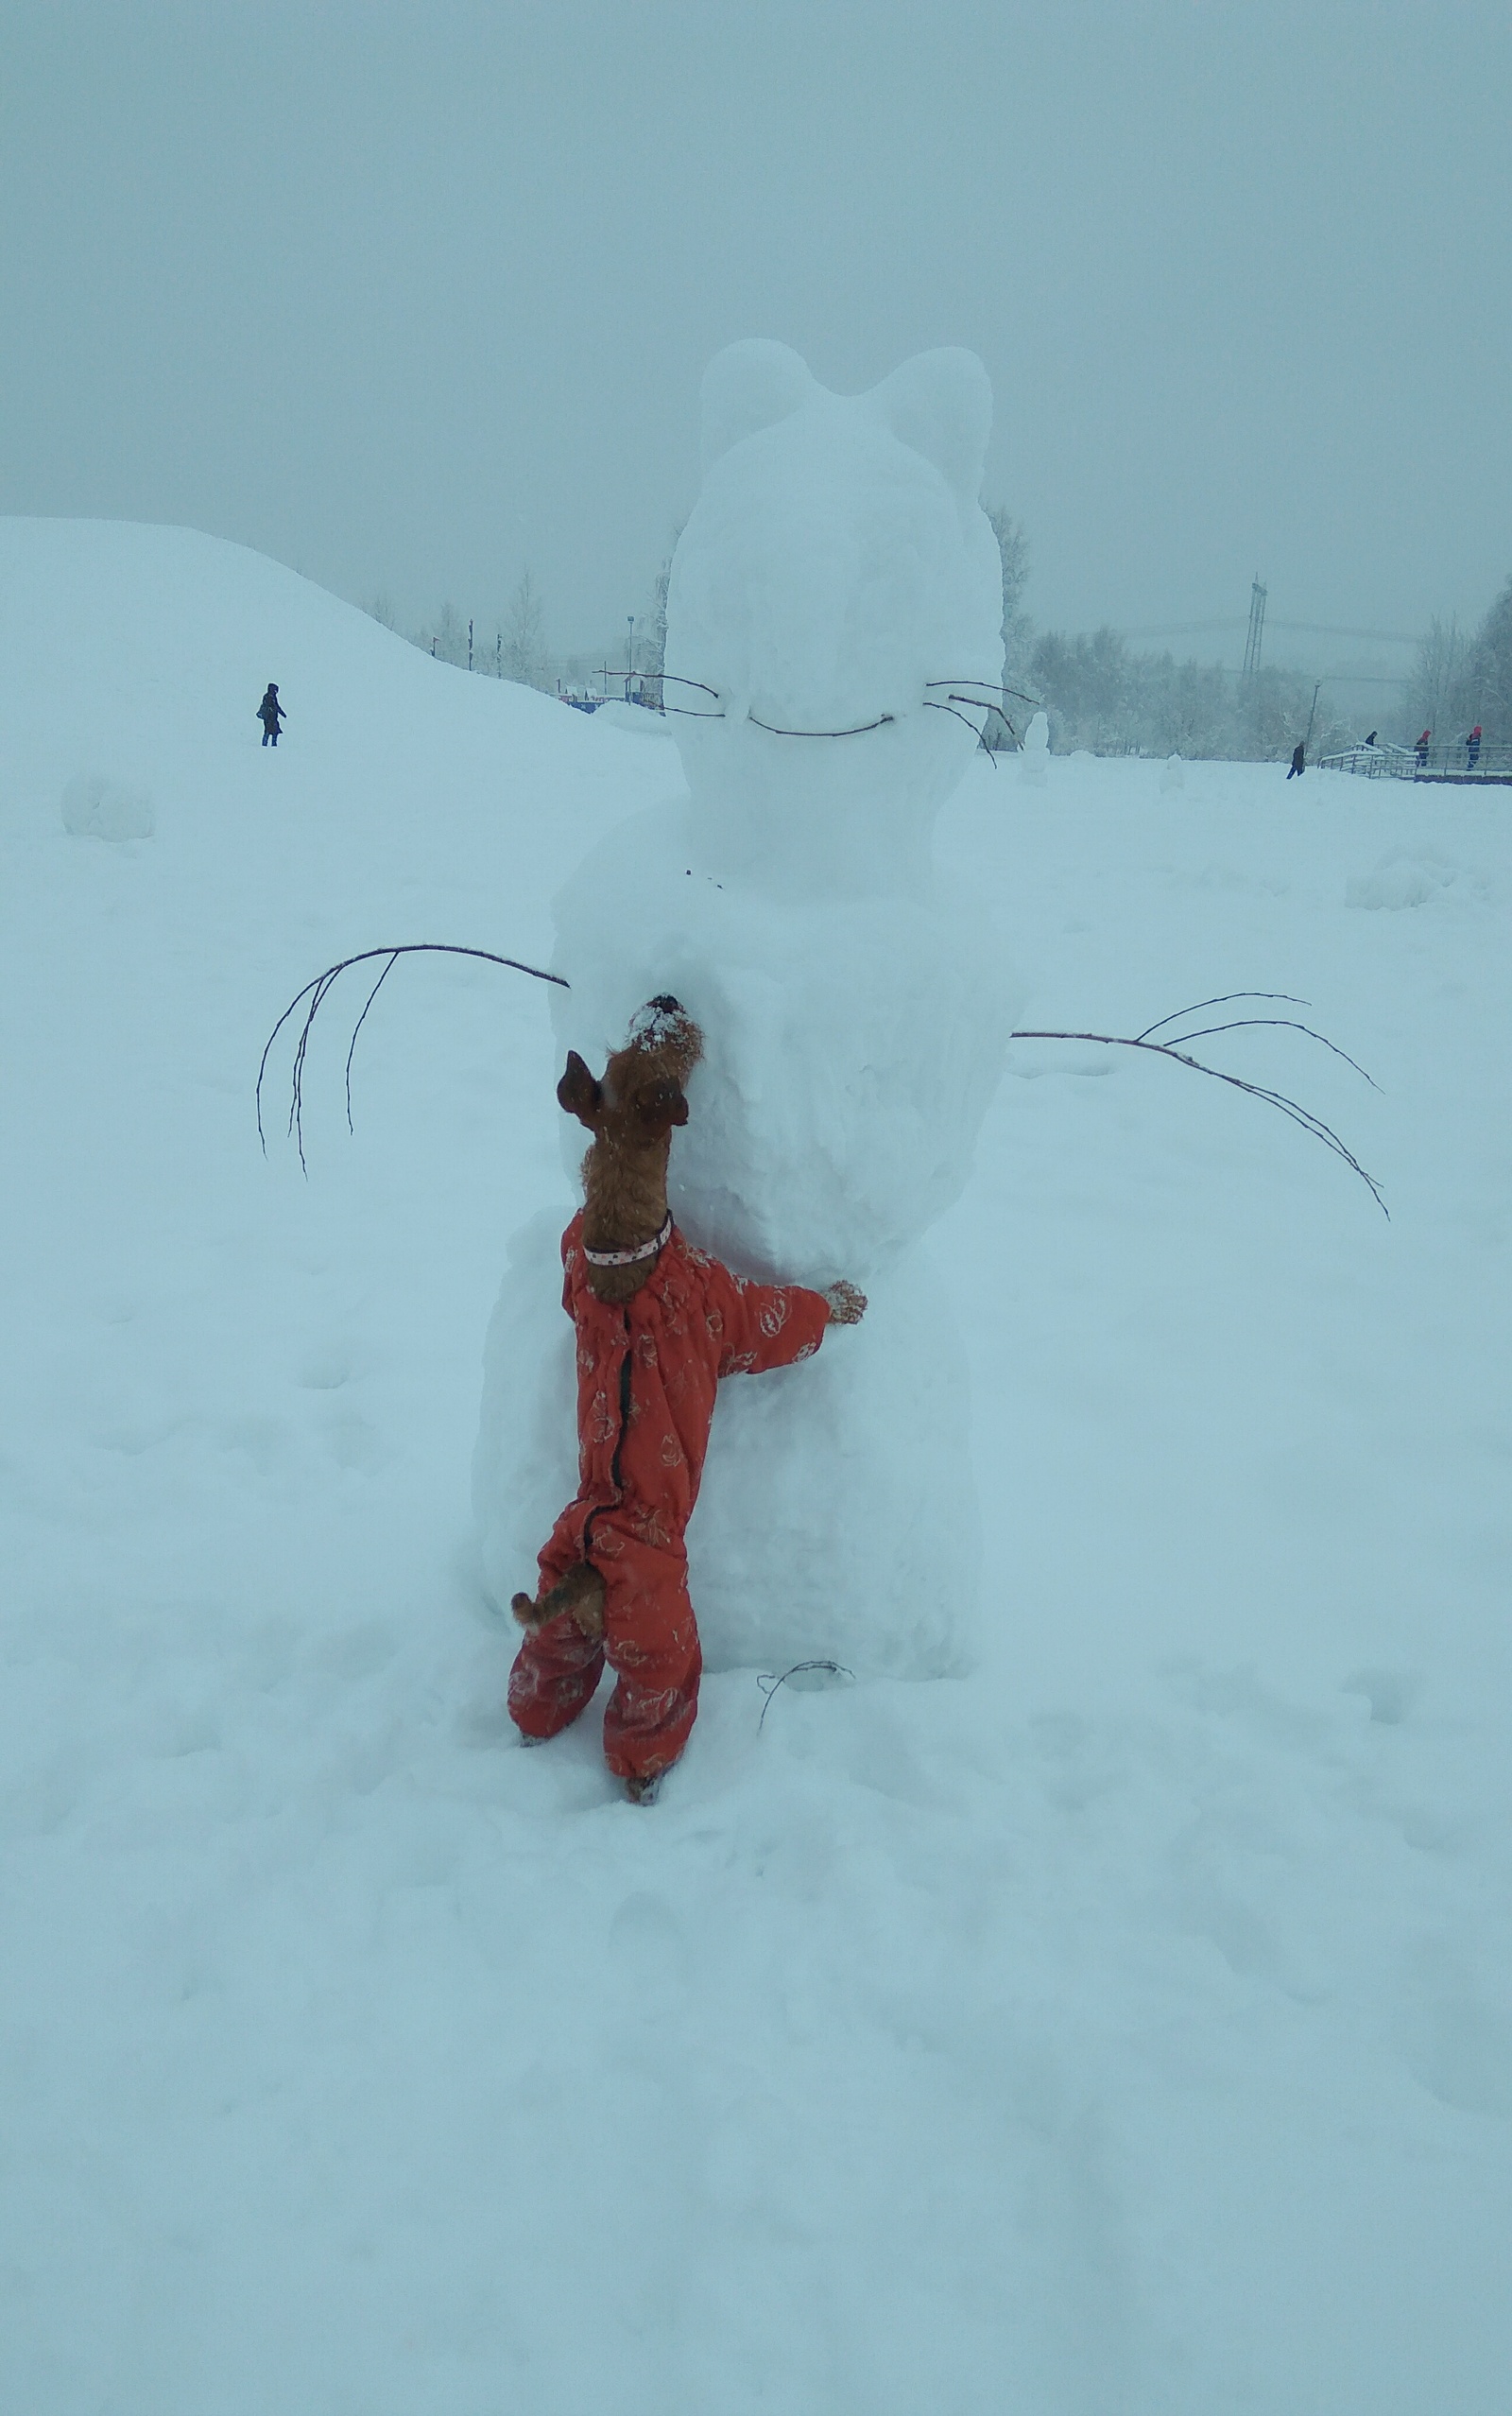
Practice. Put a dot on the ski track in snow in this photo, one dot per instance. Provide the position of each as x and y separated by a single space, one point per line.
1124 2028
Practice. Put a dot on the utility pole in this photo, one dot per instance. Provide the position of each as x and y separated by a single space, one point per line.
1312 717
470 644
629 654
1256 625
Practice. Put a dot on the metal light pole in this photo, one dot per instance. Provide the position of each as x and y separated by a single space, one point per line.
629 654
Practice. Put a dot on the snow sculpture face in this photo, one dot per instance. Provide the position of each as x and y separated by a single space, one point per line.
837 575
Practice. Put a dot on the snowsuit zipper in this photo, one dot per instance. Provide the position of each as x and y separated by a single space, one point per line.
615 1478
615 1475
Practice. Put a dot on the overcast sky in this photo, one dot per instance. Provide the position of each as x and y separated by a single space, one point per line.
409 297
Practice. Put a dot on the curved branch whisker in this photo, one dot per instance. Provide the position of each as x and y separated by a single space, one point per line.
1273 1023
319 990
969 680
932 704
679 680
1229 999
358 1026
1288 1107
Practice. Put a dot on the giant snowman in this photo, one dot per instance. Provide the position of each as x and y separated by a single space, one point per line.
836 584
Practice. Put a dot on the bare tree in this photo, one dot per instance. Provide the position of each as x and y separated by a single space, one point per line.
1491 699
1013 546
1441 689
522 652
448 640
654 622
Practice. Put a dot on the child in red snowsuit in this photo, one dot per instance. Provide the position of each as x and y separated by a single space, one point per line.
647 1378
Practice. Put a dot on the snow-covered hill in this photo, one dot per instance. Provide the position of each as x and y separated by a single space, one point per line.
1125 2028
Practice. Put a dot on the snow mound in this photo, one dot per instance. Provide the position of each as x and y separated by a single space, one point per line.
96 806
639 719
1408 879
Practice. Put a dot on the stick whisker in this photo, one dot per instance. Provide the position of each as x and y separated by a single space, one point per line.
1229 999
1288 1107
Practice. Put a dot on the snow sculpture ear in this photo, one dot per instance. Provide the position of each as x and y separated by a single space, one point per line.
941 404
749 386
577 1091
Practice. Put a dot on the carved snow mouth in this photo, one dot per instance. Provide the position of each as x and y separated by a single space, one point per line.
859 732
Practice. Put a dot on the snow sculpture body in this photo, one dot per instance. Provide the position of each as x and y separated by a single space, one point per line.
835 580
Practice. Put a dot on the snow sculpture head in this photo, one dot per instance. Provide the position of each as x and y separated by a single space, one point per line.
837 575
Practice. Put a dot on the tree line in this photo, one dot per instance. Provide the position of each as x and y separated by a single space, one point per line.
1099 694
1460 678
515 648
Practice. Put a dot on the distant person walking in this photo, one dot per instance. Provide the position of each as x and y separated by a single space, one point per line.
1299 760
272 714
1472 748
1421 750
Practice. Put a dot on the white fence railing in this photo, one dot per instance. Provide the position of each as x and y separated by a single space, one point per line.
1460 760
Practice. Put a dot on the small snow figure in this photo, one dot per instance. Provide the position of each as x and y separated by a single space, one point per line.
659 1324
272 714
1035 752
1472 748
1298 761
1421 750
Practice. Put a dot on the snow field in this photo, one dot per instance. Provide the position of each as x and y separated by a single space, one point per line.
1123 2026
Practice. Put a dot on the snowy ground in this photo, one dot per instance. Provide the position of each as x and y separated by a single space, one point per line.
1125 2028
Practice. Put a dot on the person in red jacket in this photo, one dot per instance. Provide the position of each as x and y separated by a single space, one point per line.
650 1356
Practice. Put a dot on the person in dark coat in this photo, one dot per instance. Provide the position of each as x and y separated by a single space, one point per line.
1472 748
1421 749
1299 760
272 714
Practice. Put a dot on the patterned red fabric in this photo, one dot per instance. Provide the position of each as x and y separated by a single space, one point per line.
646 1379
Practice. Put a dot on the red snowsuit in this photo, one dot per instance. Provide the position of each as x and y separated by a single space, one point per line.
646 1376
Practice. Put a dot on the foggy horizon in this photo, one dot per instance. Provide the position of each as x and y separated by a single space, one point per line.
412 301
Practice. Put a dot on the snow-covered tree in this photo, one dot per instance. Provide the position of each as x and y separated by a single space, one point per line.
653 647
1442 688
522 652
1101 696
1018 628
447 640
1491 669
